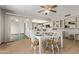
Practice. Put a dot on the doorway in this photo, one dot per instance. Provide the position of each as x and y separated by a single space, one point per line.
17 28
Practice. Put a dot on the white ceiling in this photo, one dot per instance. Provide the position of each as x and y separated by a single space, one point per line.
32 11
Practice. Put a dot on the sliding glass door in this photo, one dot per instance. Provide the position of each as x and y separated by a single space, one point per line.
17 28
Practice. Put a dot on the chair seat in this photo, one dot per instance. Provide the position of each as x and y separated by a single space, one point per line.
50 45
36 43
49 42
55 42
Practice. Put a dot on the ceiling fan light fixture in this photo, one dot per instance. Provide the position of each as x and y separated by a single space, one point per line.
47 12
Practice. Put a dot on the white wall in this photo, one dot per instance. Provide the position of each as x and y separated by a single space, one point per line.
17 27
14 28
28 27
7 28
1 26
21 27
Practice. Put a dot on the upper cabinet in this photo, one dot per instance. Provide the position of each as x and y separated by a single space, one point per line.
61 23
56 24
77 22
70 22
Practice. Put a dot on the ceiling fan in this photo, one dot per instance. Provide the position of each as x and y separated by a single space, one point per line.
67 15
47 9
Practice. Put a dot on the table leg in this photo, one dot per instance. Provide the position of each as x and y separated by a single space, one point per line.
61 40
40 46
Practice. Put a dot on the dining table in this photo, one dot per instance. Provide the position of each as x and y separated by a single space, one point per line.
42 37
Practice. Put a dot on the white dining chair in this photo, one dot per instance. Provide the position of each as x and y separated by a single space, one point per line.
56 37
35 45
49 43
34 42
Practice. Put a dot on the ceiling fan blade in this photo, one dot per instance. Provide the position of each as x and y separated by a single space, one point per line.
42 6
53 11
40 11
54 6
67 15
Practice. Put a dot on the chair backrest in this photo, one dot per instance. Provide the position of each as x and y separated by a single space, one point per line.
32 36
36 42
56 36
